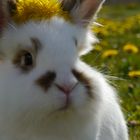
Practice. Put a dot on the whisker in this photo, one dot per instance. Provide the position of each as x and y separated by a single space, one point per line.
12 26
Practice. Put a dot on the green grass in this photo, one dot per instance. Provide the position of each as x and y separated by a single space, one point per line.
121 26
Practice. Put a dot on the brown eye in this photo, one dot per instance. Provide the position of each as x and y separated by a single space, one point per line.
27 59
24 60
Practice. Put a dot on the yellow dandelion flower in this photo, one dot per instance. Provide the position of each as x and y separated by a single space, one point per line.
104 43
98 48
101 31
37 10
134 74
109 53
131 48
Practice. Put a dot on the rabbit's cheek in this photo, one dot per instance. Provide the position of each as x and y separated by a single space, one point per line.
79 97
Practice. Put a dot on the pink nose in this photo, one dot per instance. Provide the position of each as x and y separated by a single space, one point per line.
66 89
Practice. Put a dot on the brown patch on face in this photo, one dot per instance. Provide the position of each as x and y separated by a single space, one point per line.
85 81
46 80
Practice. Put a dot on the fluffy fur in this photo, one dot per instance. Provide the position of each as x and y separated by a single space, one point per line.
30 113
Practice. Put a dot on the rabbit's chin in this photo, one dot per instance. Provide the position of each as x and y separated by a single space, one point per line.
45 109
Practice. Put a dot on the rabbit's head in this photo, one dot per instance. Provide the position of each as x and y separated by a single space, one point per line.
39 70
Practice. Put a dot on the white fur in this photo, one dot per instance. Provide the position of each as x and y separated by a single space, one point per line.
27 113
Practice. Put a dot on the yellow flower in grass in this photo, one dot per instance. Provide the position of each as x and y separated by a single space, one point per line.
98 48
110 53
131 48
134 74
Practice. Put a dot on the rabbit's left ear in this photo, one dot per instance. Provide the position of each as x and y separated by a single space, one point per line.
82 11
6 9
2 16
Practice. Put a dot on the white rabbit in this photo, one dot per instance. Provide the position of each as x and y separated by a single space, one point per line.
46 91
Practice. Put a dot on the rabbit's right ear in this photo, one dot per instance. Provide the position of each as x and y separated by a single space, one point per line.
6 9
82 11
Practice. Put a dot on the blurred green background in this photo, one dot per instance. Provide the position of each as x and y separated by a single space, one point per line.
117 55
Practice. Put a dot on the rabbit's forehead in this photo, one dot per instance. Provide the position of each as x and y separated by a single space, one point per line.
56 36
55 39
54 33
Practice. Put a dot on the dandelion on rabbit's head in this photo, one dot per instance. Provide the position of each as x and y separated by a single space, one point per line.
37 10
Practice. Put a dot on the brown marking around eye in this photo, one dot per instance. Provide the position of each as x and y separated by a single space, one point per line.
46 80
36 44
22 50
85 81
17 61
75 41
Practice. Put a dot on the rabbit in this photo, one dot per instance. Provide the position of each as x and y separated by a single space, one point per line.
46 91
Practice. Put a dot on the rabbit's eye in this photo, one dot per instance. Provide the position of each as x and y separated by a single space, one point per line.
27 59
24 60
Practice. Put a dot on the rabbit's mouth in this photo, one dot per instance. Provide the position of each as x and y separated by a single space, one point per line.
67 105
69 95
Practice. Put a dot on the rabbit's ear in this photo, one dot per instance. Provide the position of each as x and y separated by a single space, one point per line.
82 11
6 10
2 16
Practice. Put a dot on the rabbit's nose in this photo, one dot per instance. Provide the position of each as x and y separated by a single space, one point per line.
66 88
